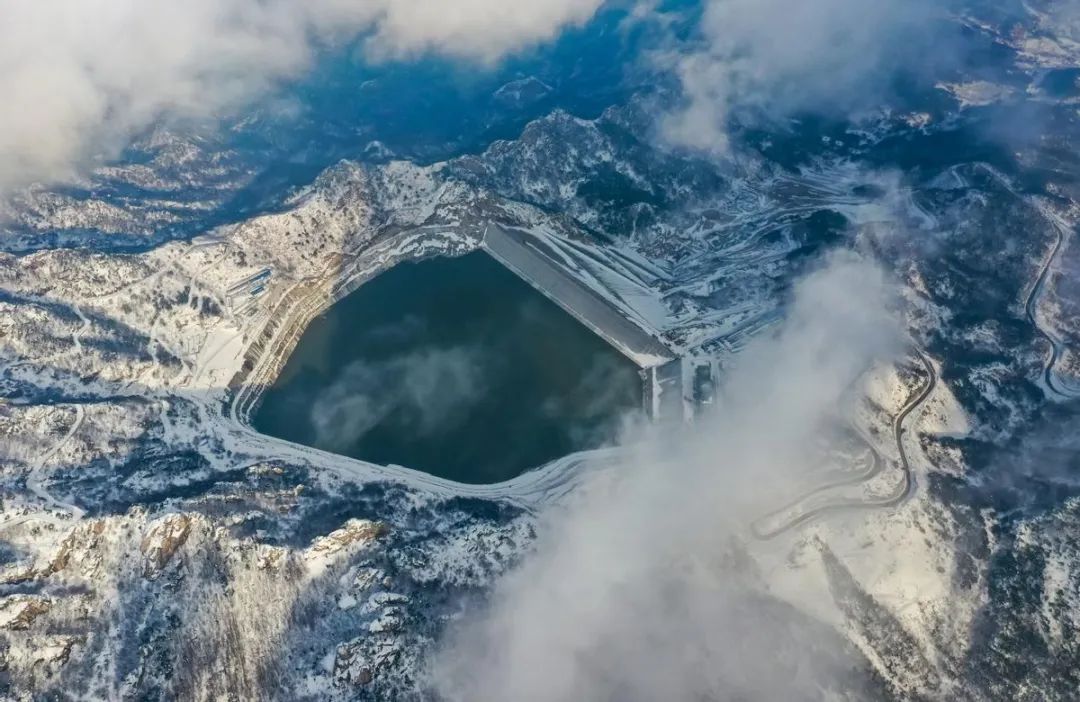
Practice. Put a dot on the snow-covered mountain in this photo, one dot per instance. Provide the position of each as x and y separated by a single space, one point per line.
155 546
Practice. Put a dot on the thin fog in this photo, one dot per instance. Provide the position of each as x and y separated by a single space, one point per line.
641 588
430 388
768 60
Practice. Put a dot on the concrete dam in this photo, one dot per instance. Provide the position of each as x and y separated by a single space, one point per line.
528 257
531 259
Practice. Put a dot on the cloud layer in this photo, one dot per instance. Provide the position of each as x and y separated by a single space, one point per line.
772 58
80 77
639 590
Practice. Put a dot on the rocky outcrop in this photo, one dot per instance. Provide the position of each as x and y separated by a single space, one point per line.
18 612
162 540
78 548
354 534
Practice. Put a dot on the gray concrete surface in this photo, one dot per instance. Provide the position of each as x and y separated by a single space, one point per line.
526 256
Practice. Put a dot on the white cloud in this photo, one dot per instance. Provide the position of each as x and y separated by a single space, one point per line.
770 58
481 29
638 590
78 78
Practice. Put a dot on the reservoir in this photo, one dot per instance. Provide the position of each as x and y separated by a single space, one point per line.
452 366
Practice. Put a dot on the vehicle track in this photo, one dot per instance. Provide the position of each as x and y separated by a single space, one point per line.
35 480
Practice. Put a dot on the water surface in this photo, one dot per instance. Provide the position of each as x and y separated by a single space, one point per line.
451 366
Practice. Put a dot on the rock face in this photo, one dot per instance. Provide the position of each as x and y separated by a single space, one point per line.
19 611
355 533
162 540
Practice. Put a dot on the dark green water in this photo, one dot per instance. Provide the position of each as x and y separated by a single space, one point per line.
451 366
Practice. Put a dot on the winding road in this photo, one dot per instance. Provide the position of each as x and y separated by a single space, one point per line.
35 480
903 491
1031 307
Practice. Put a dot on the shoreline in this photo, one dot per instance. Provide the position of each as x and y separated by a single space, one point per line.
268 352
